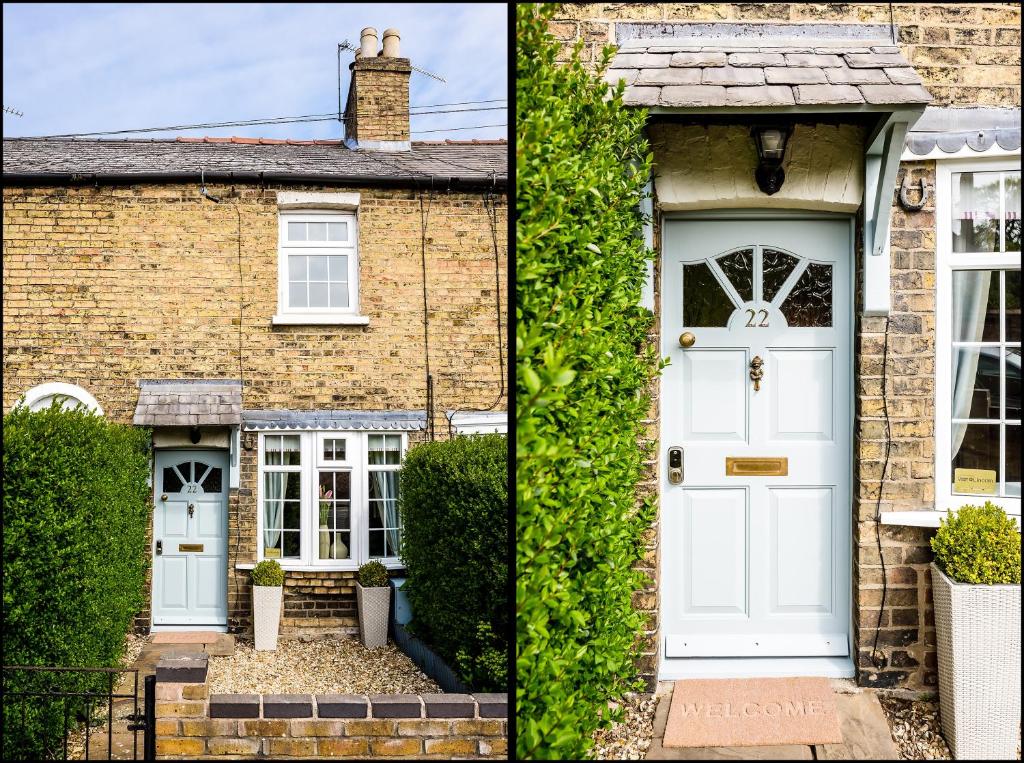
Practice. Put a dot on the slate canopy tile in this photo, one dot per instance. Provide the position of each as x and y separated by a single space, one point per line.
779 71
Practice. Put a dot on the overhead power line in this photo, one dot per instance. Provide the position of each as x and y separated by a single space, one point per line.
453 129
257 122
9 110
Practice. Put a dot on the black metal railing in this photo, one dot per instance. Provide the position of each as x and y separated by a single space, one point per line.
33 727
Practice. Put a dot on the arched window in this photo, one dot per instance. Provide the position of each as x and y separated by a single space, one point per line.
70 395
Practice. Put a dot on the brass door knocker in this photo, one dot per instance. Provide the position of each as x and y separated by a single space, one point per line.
756 373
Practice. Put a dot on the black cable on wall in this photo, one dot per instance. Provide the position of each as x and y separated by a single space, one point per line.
878 663
424 218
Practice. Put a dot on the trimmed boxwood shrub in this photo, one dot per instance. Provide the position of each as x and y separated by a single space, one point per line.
268 573
584 366
373 575
76 508
978 544
454 508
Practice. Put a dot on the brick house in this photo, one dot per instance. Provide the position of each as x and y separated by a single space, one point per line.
836 215
288 316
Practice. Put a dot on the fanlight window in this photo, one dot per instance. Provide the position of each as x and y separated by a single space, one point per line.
713 289
192 477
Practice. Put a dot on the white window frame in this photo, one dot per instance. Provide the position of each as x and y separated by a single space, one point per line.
387 560
946 261
311 461
349 248
33 396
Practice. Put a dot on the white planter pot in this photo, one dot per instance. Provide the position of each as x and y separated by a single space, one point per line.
977 633
266 615
373 614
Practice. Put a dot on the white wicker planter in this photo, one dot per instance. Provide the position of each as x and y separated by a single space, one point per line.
266 615
977 632
373 614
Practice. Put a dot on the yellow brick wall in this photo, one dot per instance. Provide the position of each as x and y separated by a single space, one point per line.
968 54
105 286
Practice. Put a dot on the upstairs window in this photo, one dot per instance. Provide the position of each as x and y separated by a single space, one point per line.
318 269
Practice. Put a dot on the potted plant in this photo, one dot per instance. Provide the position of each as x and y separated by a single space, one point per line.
976 588
267 579
373 596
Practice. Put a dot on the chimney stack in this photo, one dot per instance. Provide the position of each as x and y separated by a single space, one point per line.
377 110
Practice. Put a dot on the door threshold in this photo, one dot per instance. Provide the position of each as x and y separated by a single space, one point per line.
756 667
165 627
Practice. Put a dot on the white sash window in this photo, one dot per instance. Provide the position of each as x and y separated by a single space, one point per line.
978 334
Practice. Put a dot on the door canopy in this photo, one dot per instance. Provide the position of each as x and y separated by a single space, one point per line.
784 73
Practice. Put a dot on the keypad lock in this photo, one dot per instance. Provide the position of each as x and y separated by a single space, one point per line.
675 465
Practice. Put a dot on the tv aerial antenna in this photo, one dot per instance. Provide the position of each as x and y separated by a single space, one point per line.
9 110
346 45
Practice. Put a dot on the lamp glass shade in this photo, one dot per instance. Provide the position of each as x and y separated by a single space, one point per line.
772 143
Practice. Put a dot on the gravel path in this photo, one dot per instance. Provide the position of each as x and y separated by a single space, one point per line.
630 739
328 666
916 730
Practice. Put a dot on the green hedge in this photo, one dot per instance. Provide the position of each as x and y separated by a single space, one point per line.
76 508
454 508
584 368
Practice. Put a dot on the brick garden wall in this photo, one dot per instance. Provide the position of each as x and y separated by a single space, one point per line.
192 724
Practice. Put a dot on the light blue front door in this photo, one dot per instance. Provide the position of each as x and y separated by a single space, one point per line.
190 538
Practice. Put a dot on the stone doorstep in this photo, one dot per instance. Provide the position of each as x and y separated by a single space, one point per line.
866 735
184 637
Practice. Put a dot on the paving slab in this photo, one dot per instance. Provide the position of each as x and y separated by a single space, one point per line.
866 734
223 646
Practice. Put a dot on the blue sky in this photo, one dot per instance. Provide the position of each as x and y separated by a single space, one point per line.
74 68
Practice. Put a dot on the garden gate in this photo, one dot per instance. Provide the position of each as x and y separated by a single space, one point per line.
48 712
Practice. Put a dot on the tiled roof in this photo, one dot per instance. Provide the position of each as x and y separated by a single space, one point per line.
474 161
327 419
188 403
738 72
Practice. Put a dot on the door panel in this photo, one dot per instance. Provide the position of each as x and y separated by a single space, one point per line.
756 566
717 551
190 575
801 549
801 394
716 408
173 595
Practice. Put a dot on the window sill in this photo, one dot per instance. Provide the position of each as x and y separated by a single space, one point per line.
920 518
320 319
320 568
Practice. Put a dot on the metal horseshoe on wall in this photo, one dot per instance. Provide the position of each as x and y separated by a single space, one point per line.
905 201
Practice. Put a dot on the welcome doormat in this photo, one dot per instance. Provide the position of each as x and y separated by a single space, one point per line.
741 712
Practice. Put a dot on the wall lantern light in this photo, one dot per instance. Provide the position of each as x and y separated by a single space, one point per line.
771 147
195 435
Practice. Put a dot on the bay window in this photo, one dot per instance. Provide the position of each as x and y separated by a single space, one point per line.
330 499
978 333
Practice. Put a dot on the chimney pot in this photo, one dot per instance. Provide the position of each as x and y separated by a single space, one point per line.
391 40
368 43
